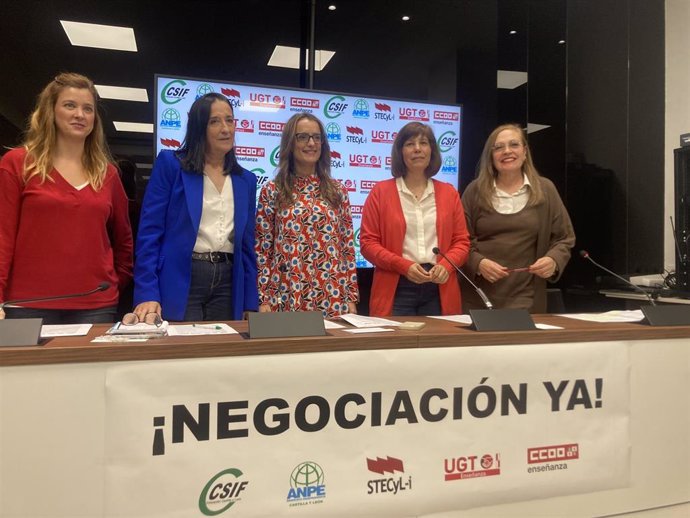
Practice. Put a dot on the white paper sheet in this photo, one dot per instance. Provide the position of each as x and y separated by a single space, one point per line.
50 330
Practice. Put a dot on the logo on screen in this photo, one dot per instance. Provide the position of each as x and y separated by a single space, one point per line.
553 453
383 112
446 116
249 153
222 491
307 485
349 184
244 125
447 141
275 156
271 128
233 95
304 104
335 107
260 174
174 92
357 160
366 185
382 136
450 165
413 114
275 102
355 135
333 132
361 109
203 89
170 142
170 119
472 466
390 484
336 160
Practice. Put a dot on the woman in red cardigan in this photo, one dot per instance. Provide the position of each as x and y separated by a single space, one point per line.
403 220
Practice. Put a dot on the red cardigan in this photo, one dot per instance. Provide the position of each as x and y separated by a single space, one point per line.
381 240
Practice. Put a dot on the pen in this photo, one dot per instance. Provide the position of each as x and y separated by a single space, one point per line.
515 270
208 326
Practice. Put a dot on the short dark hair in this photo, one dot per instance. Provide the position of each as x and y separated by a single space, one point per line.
193 150
408 131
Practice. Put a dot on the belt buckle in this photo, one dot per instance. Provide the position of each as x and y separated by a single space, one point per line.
215 257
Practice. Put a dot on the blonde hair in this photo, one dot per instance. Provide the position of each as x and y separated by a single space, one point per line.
487 173
41 134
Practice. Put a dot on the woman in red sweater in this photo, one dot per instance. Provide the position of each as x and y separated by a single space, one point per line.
403 220
64 225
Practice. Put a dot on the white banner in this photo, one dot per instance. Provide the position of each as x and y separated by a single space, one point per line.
370 433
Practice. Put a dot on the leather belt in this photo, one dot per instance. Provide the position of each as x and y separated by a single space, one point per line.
213 257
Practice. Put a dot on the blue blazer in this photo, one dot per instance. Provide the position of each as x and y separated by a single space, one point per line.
168 228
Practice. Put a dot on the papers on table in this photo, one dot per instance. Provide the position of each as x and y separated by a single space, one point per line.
329 324
460 319
546 326
362 321
139 329
368 330
201 329
50 331
634 315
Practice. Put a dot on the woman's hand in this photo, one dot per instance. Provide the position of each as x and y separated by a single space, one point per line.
352 308
145 308
492 271
439 274
544 267
417 274
2 314
264 308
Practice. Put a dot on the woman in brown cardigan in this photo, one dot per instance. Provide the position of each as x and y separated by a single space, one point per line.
521 234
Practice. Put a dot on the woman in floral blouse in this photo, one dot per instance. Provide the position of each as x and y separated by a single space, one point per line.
305 242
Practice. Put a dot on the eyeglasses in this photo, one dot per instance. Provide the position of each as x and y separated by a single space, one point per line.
303 138
513 145
131 319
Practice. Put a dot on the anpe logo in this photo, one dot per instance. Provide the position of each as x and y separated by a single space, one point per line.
174 92
446 116
383 112
357 160
222 492
249 151
306 485
447 141
203 89
275 156
413 114
366 185
383 137
390 484
472 467
335 107
450 165
333 132
170 142
302 102
361 110
553 453
170 119
271 126
245 126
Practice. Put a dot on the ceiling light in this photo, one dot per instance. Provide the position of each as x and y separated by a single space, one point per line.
138 127
561 42
331 7
509 79
513 32
405 18
100 36
123 93
288 57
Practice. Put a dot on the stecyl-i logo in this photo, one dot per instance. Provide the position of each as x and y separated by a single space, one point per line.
307 485
392 484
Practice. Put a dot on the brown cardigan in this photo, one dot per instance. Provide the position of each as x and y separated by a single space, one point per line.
555 237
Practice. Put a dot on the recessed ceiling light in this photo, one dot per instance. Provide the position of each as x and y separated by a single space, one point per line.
405 18
561 42
513 32
138 127
100 36
288 57
123 93
331 7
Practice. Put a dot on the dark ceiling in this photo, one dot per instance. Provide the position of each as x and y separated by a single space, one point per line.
232 40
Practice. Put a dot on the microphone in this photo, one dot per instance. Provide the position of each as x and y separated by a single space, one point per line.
585 255
101 287
479 291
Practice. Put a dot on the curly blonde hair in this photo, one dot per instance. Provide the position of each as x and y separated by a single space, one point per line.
41 134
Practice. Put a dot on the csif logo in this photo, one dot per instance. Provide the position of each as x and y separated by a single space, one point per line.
275 156
203 89
174 92
335 107
447 141
361 110
307 484
222 491
260 174
170 119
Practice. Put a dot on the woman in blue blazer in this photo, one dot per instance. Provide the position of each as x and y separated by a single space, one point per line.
195 257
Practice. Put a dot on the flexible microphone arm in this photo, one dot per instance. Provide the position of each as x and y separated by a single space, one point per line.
585 255
479 291
101 287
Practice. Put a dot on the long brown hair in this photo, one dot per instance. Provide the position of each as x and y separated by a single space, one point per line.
408 131
41 134
285 175
487 173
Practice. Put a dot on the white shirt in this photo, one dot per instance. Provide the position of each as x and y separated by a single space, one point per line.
217 226
505 203
420 223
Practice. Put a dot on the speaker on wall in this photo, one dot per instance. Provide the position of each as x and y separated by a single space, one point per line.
682 217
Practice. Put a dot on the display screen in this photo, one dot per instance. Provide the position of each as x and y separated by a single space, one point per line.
360 130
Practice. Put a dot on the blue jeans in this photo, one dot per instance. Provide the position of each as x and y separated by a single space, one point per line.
66 316
210 292
416 299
